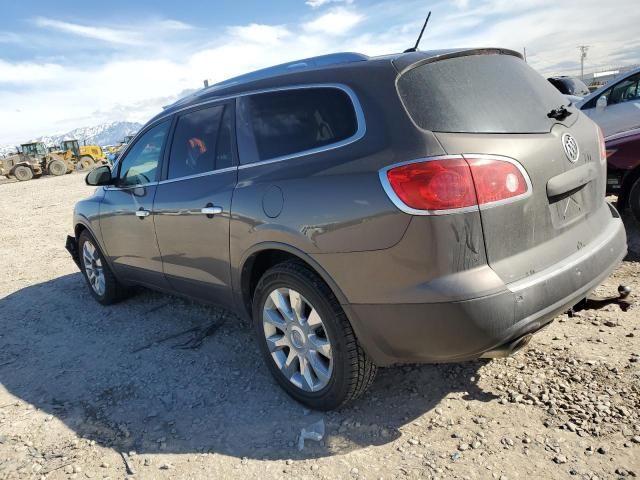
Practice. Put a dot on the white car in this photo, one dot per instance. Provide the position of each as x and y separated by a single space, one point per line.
615 107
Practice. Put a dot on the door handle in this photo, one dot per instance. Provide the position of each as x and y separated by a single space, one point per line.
142 213
211 210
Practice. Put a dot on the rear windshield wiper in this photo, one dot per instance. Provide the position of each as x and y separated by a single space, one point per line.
559 113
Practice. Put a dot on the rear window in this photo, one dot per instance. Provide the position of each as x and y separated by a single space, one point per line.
296 121
570 86
479 94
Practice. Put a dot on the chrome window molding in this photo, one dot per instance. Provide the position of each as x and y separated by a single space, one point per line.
361 126
198 175
131 187
360 132
382 173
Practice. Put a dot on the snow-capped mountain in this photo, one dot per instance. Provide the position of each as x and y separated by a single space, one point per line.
110 133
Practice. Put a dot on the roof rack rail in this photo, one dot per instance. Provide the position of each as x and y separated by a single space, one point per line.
307 63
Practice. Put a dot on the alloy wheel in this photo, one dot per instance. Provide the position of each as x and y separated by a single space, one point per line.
93 267
297 339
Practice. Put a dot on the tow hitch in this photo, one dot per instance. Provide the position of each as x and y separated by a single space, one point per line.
593 302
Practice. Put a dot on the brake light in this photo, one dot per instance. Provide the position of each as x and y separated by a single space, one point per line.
603 147
496 180
443 185
434 185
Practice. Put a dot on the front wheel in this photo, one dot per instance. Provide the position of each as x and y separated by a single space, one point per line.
23 173
634 199
103 285
57 168
85 162
307 340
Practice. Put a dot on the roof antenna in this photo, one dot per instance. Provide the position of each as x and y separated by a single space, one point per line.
415 48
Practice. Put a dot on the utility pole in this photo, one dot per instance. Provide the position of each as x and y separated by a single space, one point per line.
583 54
524 54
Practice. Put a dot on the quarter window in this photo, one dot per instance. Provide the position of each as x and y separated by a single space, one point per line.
140 164
298 120
202 142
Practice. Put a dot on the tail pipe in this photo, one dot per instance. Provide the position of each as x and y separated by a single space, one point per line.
508 348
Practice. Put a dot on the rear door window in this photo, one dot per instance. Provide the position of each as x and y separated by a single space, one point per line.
479 94
202 142
297 121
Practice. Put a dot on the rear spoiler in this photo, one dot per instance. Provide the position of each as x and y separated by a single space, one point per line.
408 61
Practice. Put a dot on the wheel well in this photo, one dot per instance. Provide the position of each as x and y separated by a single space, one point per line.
628 181
256 265
78 230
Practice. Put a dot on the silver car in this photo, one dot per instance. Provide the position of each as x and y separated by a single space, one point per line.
615 107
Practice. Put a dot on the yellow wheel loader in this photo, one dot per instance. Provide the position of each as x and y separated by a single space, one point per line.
84 157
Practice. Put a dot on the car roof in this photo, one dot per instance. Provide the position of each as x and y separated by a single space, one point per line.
279 75
597 92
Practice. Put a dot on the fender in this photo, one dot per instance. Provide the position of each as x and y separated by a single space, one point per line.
236 271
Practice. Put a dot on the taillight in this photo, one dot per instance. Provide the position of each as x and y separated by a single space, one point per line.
445 185
496 180
603 148
434 185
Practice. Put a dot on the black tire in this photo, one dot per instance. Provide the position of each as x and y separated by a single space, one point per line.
634 199
114 291
353 371
23 173
57 168
85 163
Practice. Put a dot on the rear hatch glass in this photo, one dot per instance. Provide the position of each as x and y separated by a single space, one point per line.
479 94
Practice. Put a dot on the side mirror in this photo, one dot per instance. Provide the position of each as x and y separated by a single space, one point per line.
99 176
601 104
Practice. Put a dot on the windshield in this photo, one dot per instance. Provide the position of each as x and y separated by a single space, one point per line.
479 94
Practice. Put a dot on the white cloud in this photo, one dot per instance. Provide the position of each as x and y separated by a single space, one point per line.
259 33
338 21
133 81
320 3
29 72
110 35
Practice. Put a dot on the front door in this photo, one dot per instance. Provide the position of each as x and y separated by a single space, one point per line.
622 112
192 205
126 219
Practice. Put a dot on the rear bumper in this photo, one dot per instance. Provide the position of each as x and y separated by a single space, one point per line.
467 329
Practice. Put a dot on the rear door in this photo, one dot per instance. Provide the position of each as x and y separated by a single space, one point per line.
497 105
193 203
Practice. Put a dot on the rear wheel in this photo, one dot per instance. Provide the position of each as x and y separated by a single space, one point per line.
57 168
307 340
103 285
634 199
23 173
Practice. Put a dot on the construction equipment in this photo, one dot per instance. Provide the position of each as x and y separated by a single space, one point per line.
33 160
84 157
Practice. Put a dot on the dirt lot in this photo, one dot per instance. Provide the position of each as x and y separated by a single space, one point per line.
94 392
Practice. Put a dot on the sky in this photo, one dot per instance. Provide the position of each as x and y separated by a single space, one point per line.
69 64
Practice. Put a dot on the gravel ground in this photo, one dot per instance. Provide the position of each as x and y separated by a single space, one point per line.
125 391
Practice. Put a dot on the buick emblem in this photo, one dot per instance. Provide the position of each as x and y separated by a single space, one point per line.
571 149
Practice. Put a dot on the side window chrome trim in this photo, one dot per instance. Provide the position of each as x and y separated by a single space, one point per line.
131 187
360 121
198 175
